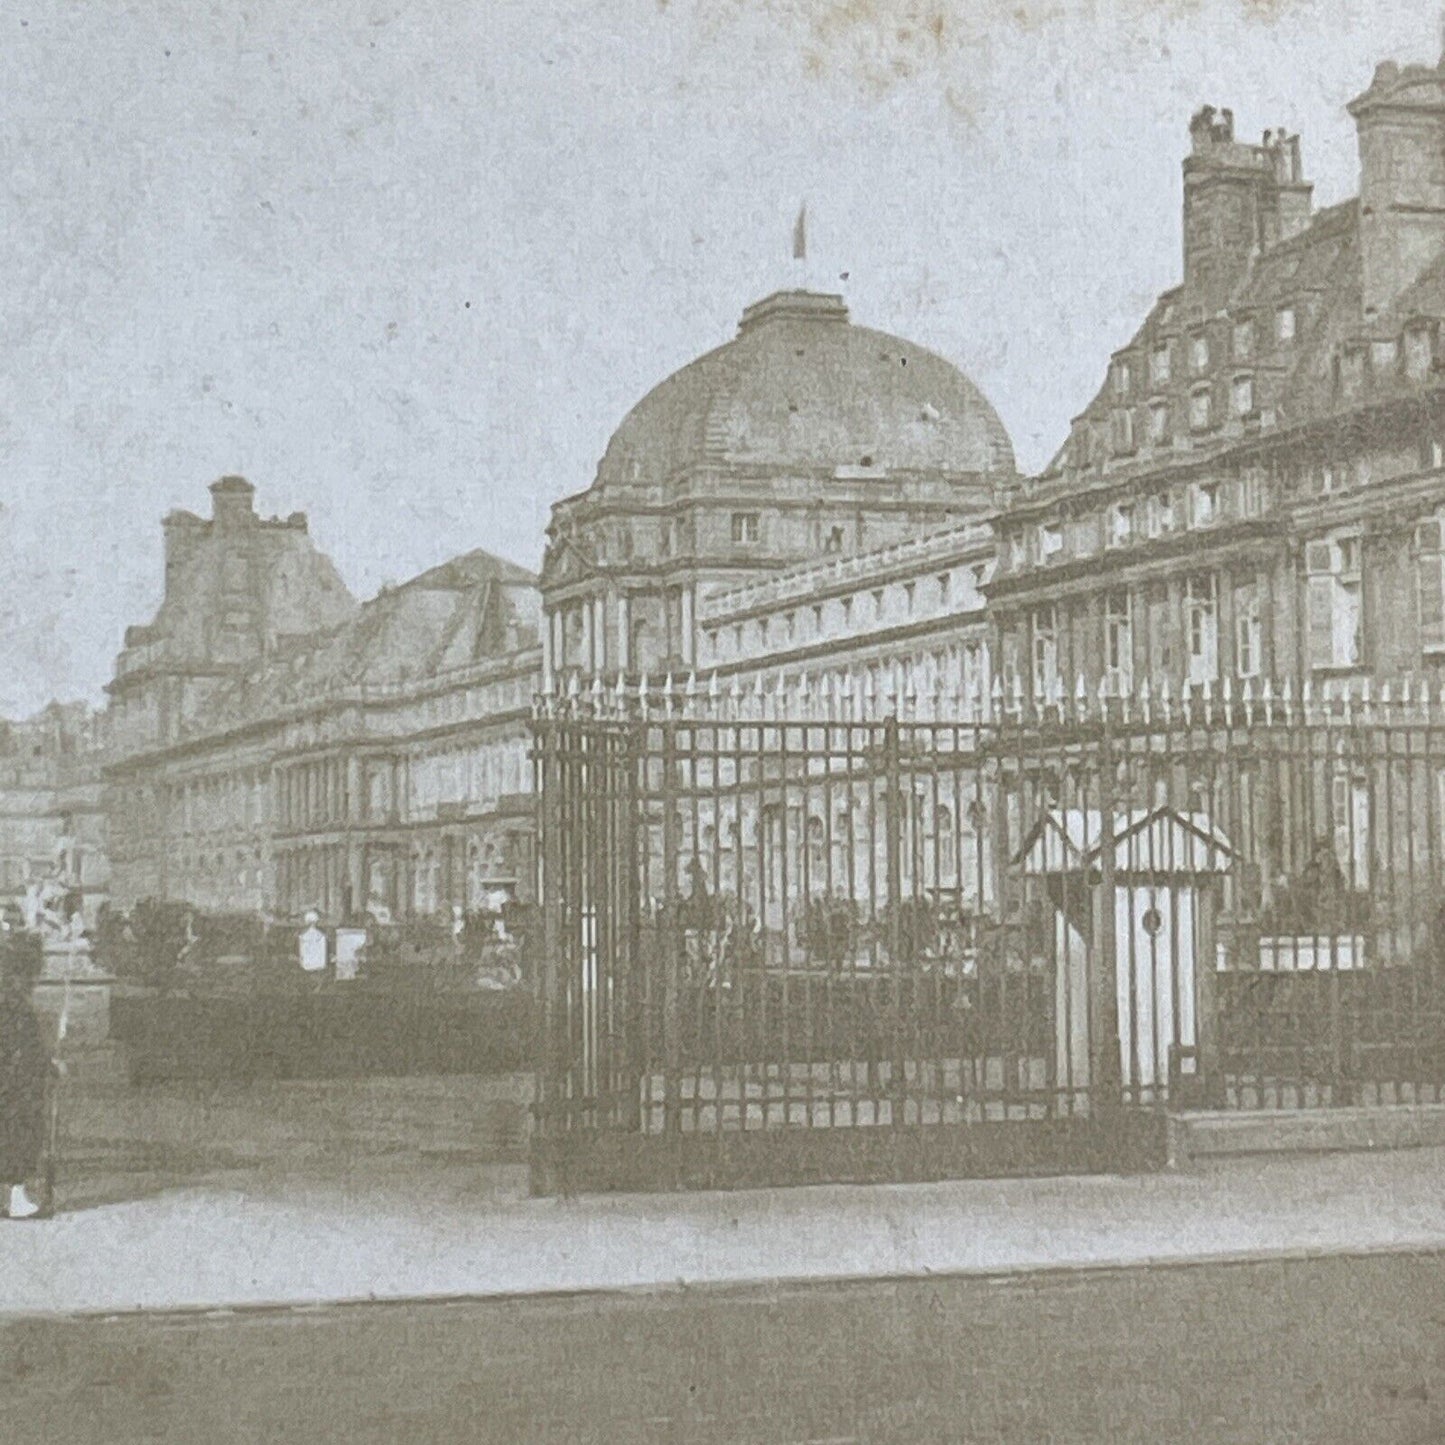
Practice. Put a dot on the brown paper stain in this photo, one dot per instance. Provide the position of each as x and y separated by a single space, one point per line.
875 47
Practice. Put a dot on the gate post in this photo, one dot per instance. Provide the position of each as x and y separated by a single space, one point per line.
630 873
670 941
1211 1082
893 843
1104 1043
550 1055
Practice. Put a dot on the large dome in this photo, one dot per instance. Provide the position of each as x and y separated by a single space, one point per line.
801 389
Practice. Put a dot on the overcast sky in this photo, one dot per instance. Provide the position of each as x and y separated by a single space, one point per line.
406 266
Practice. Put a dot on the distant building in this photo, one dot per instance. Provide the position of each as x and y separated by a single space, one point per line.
52 824
1258 488
279 746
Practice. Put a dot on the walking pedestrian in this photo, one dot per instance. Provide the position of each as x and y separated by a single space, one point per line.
24 1067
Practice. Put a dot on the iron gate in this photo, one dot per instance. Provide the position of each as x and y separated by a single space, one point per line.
797 942
782 949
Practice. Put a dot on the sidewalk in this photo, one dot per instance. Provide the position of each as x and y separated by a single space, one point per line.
309 1235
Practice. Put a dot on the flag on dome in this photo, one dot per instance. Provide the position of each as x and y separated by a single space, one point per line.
800 234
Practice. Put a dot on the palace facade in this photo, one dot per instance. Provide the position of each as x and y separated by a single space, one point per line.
1257 490
326 754
806 438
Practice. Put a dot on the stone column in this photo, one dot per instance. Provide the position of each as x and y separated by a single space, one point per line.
599 635
624 632
687 650
354 800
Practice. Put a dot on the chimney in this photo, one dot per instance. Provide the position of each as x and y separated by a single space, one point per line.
232 502
1239 199
1401 124
181 530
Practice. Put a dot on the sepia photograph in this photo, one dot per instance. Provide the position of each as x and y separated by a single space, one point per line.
722 722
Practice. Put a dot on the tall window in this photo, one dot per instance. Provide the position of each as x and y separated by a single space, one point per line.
1199 352
1122 378
1161 514
1417 353
1201 622
1121 523
1332 565
1204 504
1430 565
1123 424
1119 641
1247 631
1159 421
1201 412
1284 324
1350 813
1051 540
1243 340
1243 395
1160 364
1045 652
1159 632
747 526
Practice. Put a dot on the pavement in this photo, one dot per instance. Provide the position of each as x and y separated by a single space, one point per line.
384 1224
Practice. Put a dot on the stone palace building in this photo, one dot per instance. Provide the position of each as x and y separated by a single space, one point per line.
1256 491
276 746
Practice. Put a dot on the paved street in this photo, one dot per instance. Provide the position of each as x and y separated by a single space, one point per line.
312 1193
189 1291
1313 1351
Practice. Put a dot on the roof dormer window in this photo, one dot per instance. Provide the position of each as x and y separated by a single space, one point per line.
1160 363
746 527
1199 352
1122 378
1051 540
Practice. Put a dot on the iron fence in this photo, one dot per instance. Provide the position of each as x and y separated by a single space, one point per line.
880 936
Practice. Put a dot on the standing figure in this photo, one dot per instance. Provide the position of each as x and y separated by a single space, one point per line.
24 1067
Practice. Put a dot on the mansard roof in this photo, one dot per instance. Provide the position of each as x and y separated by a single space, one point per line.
470 609
1316 275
